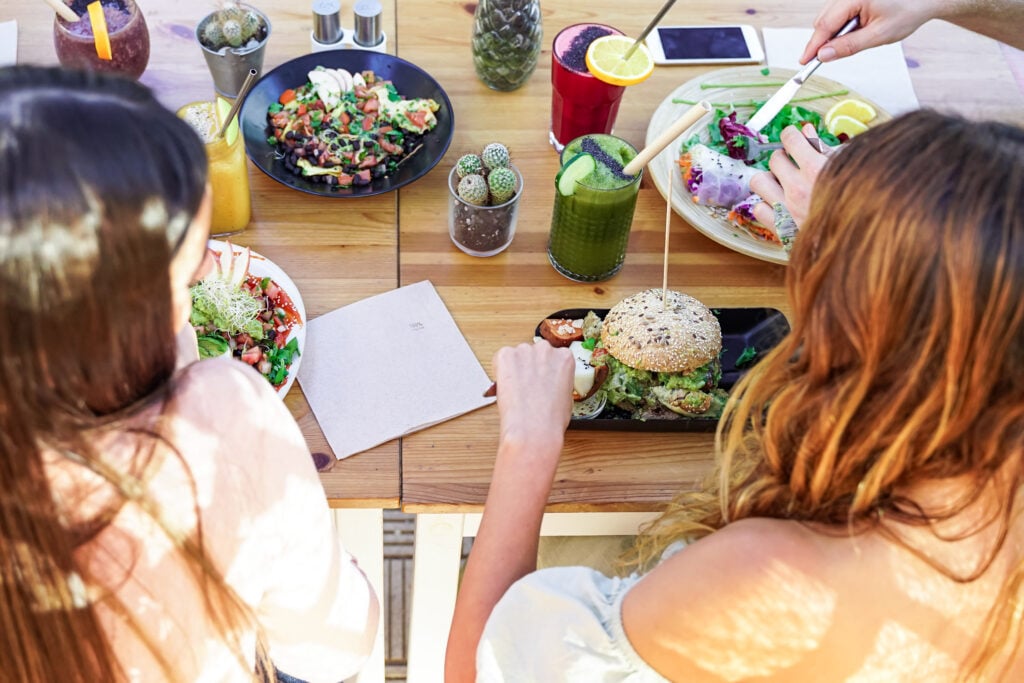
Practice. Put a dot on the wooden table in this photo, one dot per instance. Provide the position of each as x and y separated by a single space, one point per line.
618 478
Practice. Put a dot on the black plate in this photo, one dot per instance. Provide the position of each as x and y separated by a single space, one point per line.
410 80
762 328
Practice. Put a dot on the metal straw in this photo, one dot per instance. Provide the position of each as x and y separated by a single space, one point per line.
242 92
646 31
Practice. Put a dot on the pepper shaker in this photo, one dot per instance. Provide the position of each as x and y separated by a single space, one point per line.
368 32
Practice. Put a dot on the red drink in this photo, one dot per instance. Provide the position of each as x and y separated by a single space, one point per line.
129 39
580 103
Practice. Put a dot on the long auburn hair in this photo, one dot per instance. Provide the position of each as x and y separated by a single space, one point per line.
905 362
98 185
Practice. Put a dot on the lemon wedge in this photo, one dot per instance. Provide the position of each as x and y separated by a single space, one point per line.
843 124
605 61
223 109
100 35
855 109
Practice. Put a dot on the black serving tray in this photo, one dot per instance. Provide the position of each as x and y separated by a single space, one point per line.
762 328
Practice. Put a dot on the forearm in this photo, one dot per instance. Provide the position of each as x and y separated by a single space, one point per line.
505 548
1002 20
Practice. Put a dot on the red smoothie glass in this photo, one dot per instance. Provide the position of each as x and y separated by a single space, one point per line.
580 103
129 39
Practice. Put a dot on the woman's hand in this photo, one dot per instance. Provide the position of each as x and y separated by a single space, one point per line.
881 22
534 393
794 172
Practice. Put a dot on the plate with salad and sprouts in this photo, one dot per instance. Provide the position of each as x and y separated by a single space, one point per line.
249 309
705 173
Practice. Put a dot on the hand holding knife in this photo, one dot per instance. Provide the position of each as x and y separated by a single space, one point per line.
789 89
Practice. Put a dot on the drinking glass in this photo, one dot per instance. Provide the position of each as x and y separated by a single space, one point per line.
228 171
590 227
129 39
580 103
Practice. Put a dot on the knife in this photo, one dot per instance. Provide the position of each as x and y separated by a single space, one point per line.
789 89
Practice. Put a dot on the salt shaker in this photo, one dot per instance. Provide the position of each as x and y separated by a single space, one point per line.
327 33
368 32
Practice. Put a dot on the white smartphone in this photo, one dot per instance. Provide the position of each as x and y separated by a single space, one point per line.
736 44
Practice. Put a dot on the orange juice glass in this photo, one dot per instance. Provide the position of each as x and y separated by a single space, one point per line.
228 171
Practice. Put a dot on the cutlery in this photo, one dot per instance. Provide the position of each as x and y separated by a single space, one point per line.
752 148
789 89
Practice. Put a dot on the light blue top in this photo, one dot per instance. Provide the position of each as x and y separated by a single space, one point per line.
562 624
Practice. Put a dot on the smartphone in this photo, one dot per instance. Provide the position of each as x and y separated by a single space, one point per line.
705 45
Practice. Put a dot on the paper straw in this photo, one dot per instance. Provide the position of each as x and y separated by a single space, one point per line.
65 12
692 116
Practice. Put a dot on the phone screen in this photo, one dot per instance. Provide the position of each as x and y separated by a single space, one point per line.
704 42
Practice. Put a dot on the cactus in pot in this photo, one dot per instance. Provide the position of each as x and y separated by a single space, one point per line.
233 26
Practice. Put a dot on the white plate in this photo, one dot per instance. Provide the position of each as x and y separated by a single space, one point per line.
261 267
664 168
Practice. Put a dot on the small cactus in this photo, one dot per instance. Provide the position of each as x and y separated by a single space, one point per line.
469 164
495 155
232 33
250 23
213 34
473 189
502 182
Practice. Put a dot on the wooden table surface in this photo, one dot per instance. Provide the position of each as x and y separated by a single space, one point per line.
499 300
339 251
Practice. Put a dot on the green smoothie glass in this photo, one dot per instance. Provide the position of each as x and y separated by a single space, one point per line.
593 212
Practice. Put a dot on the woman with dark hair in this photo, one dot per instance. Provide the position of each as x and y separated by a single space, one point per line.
864 523
154 524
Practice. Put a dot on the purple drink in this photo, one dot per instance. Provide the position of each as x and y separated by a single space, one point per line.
129 39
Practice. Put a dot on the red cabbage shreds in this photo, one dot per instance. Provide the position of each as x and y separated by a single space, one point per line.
745 208
730 130
694 182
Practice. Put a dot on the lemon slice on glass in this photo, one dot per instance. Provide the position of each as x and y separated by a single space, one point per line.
855 109
843 124
605 61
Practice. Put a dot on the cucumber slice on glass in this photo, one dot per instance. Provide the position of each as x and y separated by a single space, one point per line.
577 168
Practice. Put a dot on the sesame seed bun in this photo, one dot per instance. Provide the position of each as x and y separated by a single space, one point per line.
679 337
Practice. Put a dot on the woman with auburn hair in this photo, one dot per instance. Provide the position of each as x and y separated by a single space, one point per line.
864 523
154 524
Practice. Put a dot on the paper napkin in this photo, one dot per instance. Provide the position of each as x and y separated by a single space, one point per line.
880 74
8 43
388 366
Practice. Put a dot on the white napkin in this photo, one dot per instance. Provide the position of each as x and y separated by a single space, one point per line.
388 366
8 43
880 74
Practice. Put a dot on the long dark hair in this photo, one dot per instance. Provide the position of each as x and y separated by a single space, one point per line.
98 186
906 358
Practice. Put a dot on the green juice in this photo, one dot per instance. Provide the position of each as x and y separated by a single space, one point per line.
590 228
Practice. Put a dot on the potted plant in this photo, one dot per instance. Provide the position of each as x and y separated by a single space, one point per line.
233 39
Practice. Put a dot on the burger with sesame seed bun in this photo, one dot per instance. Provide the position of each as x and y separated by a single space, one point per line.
661 357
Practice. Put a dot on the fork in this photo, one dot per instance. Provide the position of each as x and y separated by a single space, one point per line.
753 147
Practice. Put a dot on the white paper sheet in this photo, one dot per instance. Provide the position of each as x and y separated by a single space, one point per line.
880 74
8 43
387 366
